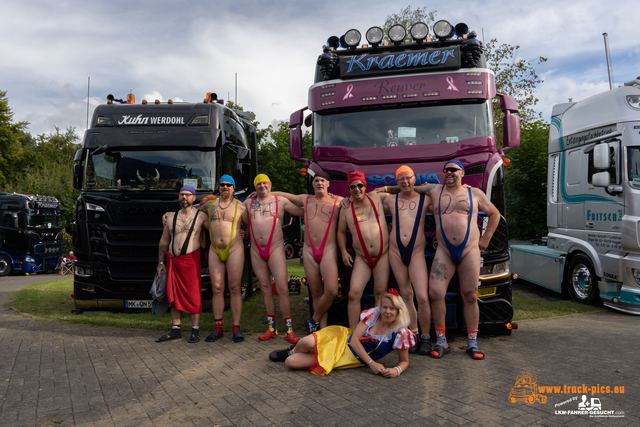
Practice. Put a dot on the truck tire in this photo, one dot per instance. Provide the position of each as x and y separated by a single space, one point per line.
289 251
582 282
5 266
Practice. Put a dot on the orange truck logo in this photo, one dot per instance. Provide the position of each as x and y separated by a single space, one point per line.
526 390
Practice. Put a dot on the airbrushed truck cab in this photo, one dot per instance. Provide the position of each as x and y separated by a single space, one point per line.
593 203
423 103
133 162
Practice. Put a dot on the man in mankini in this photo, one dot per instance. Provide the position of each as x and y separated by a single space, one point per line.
180 243
266 212
368 226
226 255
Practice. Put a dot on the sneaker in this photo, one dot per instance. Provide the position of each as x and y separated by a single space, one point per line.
173 335
280 355
414 348
271 333
291 337
312 327
195 335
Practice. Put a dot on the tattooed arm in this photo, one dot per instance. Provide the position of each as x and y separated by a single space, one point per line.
485 205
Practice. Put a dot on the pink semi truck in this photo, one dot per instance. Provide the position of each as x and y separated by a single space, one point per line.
420 99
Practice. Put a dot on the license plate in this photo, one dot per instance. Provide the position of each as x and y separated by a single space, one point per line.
138 304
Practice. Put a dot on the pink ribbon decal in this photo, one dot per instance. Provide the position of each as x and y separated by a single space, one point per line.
348 94
451 85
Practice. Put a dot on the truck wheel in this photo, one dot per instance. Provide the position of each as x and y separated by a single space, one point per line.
288 250
582 281
5 266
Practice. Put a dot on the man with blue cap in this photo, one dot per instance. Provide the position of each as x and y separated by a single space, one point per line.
179 258
226 254
455 208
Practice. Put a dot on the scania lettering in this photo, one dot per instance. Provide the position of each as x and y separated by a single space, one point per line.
133 162
424 102
593 203
30 233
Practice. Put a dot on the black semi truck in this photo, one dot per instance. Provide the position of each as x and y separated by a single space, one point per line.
133 161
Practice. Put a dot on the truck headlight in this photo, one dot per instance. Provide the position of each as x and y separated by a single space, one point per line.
636 275
494 271
94 207
29 259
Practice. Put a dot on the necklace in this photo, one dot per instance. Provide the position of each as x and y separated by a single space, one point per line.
220 204
413 193
188 216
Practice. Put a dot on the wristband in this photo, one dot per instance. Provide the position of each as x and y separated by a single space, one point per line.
161 263
370 362
399 369
385 189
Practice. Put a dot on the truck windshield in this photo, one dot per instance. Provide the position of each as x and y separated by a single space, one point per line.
415 125
149 170
43 221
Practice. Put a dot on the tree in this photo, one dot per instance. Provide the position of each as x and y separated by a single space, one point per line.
47 168
407 17
526 183
11 136
515 77
274 160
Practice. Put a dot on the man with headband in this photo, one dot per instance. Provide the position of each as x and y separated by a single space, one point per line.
226 255
366 221
320 251
179 258
406 253
266 212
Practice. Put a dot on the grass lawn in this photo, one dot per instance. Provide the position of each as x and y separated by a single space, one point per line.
51 300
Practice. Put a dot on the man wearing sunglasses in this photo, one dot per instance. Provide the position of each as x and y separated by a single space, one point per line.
368 226
226 255
179 258
455 209
266 212
320 251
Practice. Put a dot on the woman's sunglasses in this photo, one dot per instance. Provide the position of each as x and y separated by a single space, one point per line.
353 186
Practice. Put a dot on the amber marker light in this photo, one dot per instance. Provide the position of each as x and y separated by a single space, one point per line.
303 172
131 99
144 102
506 161
511 325
514 276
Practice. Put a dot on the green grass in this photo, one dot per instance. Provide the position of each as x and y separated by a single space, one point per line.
529 308
51 300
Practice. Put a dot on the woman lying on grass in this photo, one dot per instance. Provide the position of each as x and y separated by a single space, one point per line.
380 330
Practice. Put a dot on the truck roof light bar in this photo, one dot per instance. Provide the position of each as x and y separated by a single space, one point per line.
374 35
397 33
419 31
442 29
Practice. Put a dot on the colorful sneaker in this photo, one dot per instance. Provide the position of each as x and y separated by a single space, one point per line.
271 333
291 337
312 326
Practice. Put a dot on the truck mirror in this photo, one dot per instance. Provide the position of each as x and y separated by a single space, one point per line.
295 143
511 131
601 157
296 118
14 220
77 176
308 121
601 179
243 154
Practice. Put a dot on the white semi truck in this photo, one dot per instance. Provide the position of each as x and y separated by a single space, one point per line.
593 203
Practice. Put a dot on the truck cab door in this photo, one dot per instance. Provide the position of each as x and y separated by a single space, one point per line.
604 207
573 182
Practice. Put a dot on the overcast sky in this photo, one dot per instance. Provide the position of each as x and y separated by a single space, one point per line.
181 50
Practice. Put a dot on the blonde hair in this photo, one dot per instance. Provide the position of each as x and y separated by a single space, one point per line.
402 318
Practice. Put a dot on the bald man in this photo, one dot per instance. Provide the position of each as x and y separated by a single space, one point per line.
266 212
